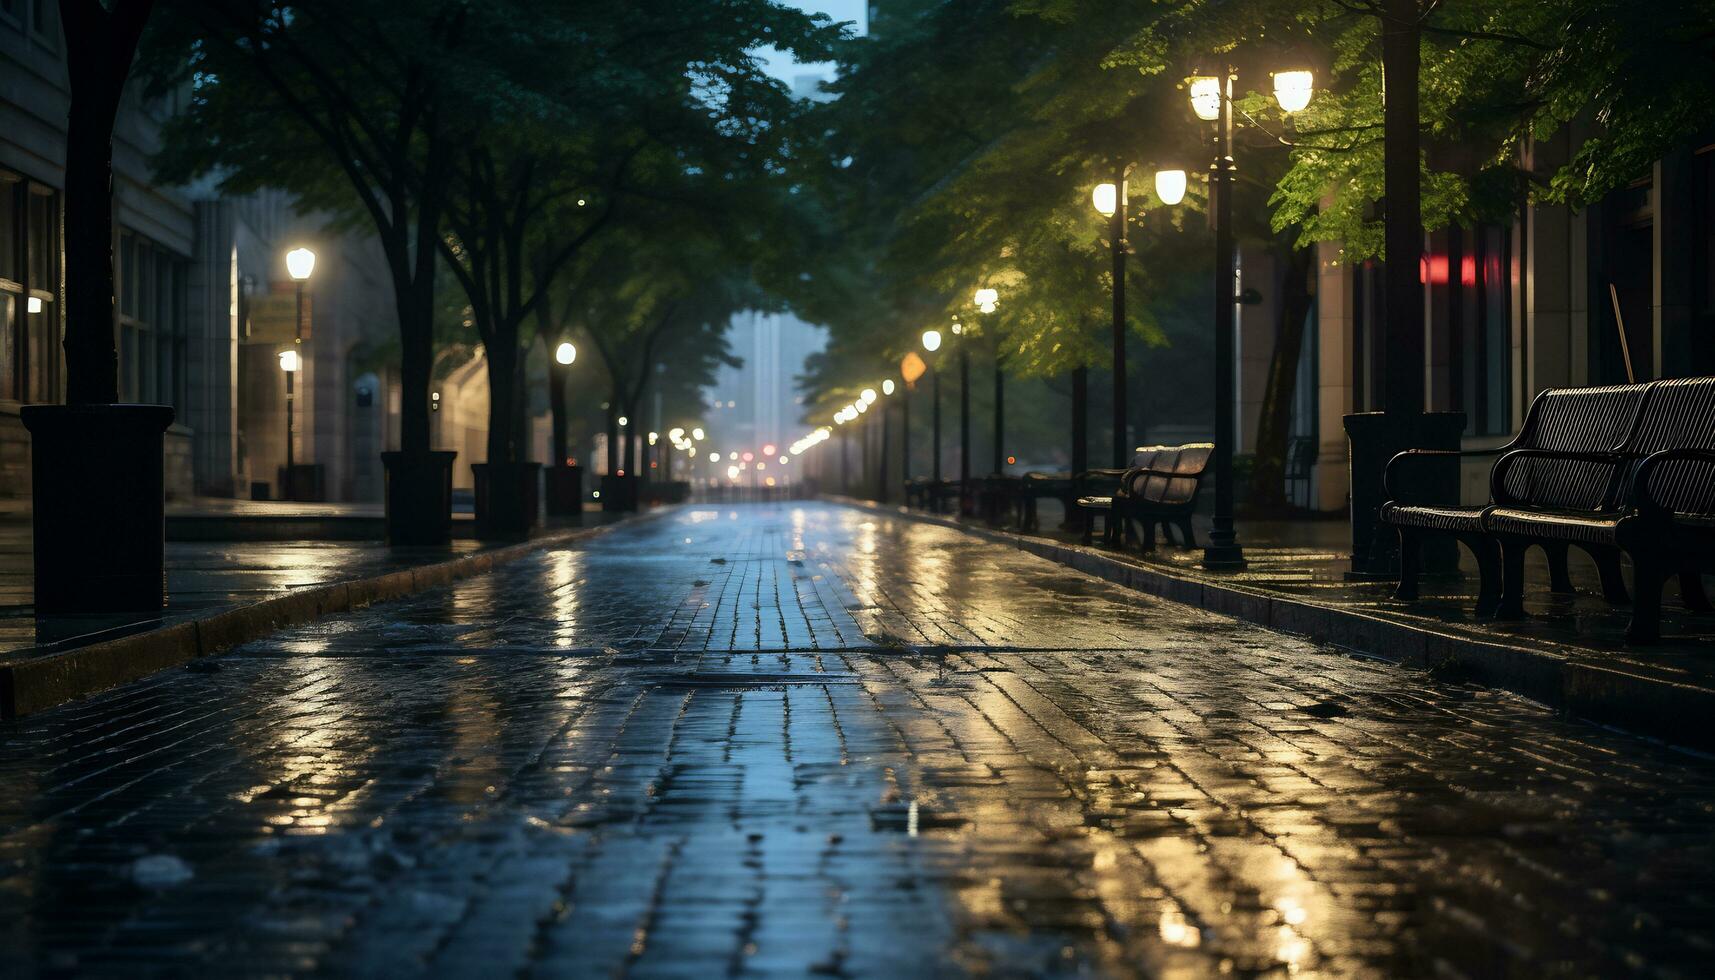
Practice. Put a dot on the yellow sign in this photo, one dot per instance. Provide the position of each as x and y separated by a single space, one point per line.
911 367
273 319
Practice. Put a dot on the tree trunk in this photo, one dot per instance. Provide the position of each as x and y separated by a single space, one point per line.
100 46
1268 475
92 363
416 341
503 401
1403 189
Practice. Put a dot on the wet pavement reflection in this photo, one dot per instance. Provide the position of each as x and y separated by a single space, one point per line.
805 739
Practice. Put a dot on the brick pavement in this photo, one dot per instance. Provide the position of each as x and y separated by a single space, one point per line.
804 739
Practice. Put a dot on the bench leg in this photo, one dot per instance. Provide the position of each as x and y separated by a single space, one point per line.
1649 574
1691 589
1559 576
1487 551
1185 532
1410 551
1511 605
1608 567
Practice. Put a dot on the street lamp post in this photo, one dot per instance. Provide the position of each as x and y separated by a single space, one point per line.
987 300
905 440
1212 100
300 263
965 500
1223 550
1110 200
886 390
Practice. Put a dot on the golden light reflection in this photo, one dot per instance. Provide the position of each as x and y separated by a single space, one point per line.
304 736
565 575
1291 949
1177 931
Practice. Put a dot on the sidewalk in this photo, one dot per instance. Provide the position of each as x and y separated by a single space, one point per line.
1569 652
306 559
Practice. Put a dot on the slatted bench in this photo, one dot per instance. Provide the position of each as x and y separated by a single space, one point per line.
1560 420
1660 510
1164 492
1101 487
1159 489
1038 486
1649 493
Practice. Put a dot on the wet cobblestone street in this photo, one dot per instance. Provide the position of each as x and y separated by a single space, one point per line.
806 740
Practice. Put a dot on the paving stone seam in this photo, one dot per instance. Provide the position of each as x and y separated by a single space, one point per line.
1601 693
38 683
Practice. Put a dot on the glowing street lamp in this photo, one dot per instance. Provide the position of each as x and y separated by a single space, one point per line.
566 353
931 340
300 263
868 396
1207 97
887 387
1170 186
1292 89
1106 198
1211 100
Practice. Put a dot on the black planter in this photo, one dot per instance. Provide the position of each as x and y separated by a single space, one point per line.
419 497
100 517
508 497
563 488
1375 438
619 493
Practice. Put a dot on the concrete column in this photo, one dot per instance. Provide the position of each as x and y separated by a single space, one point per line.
211 352
1336 369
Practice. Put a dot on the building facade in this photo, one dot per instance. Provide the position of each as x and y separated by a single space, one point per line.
1622 290
201 287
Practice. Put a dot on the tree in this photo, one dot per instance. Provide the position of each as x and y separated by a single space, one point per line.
365 83
597 118
101 44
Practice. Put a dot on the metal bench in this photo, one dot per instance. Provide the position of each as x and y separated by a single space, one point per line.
1036 486
1659 507
931 494
1164 492
1159 489
1625 469
1560 420
1102 486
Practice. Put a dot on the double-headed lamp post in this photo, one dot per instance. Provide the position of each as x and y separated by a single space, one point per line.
1212 101
300 263
1109 200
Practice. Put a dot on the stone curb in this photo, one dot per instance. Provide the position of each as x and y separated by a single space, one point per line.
1608 694
37 683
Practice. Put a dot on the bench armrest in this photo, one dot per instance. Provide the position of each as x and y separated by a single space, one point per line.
1498 476
1653 500
1400 461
